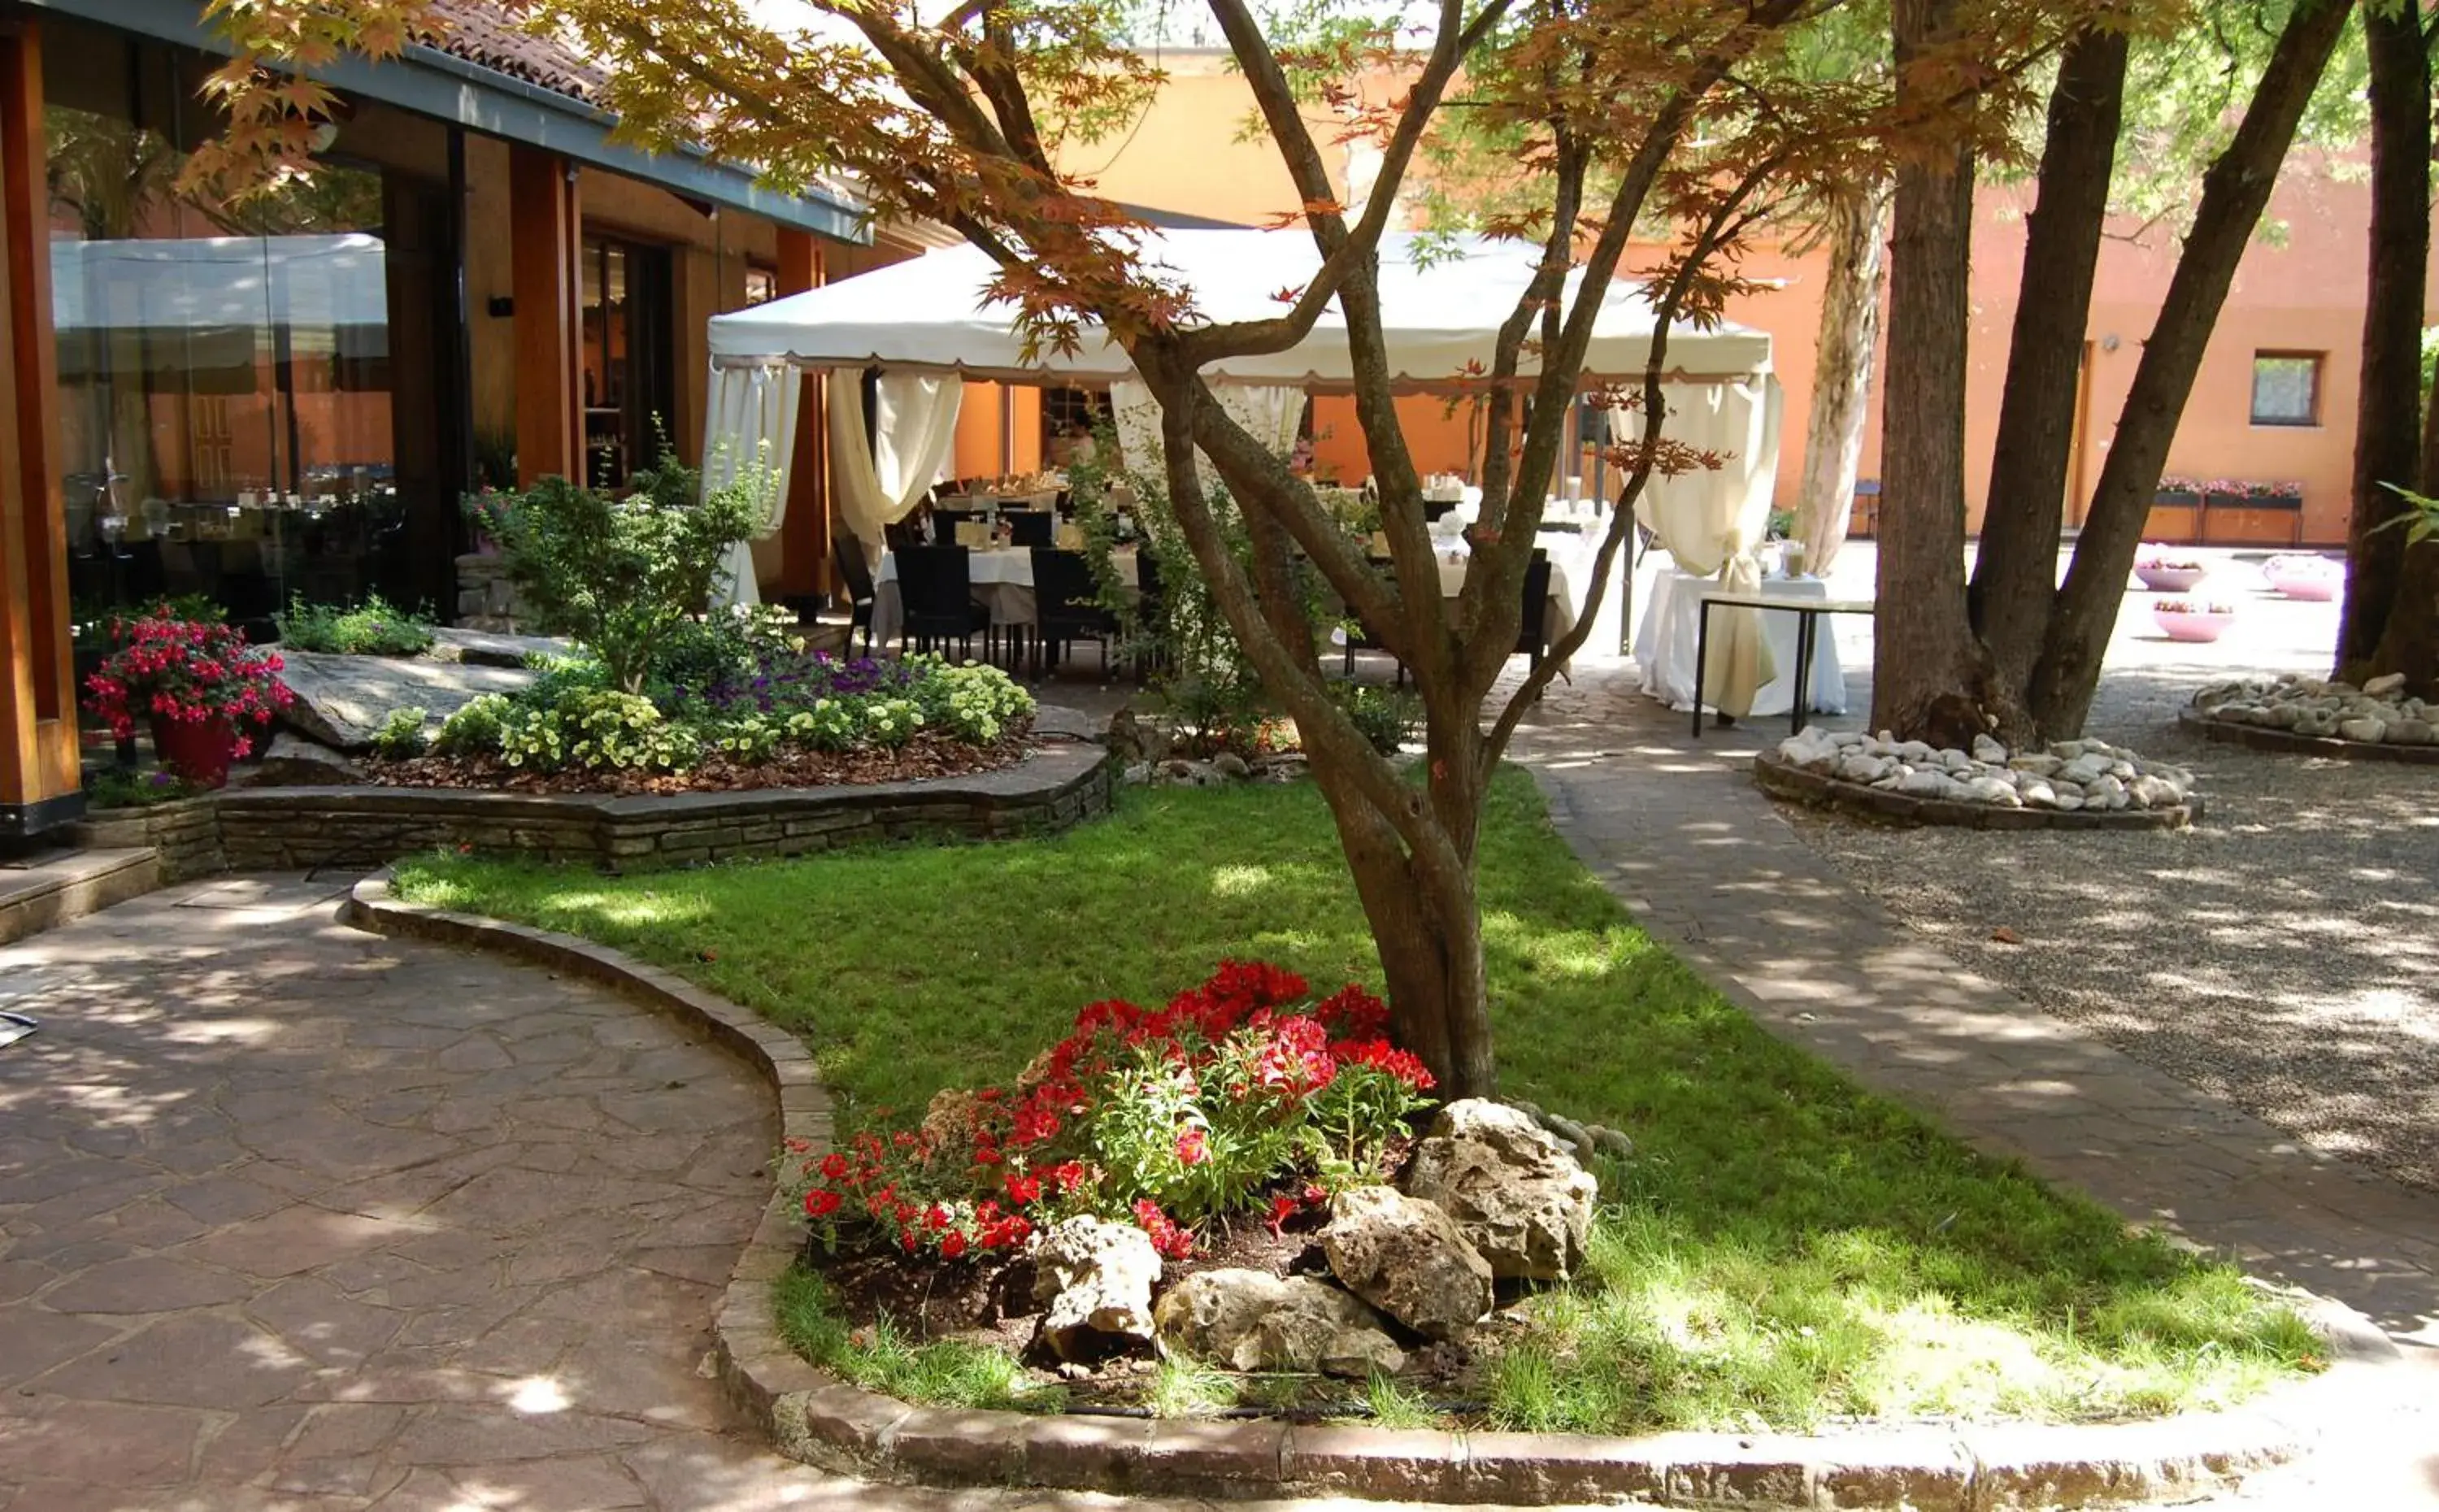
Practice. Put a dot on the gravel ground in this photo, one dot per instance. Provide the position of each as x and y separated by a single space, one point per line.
2283 955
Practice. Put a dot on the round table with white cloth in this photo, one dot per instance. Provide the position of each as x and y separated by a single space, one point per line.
1664 644
1003 583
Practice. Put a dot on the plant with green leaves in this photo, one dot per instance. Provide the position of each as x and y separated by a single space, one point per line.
373 627
401 736
623 574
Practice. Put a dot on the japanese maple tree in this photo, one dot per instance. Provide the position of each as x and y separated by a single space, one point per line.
1673 121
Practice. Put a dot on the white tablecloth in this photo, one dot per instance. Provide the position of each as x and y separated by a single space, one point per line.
1664 643
1002 582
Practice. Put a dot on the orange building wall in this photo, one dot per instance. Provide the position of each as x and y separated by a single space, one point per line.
2300 288
986 426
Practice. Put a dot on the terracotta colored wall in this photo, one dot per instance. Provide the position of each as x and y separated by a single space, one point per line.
2298 290
1184 153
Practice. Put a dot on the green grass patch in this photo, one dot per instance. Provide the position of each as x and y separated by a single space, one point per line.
1783 1247
943 1372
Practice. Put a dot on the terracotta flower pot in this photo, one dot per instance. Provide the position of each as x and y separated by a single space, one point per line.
2169 580
198 751
2192 626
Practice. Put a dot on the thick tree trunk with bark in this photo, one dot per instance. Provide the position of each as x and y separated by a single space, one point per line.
2235 191
1854 224
2015 574
2409 642
1924 672
2388 411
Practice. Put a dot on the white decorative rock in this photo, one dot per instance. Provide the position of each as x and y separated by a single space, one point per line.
2366 730
1518 1196
1990 790
2379 687
1986 749
1097 1277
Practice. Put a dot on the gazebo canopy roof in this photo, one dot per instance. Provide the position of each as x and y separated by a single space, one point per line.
1442 313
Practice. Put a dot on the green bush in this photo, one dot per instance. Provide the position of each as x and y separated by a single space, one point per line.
593 729
401 736
475 728
974 702
373 627
1387 716
623 574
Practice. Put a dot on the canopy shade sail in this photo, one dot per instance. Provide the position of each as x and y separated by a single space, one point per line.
1443 302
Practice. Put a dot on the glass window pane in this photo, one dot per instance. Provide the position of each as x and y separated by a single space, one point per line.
2285 390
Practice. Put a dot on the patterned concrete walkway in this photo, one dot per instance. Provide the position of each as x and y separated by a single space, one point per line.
1677 832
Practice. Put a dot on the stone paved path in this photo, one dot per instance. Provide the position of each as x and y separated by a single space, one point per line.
296 1218
1677 832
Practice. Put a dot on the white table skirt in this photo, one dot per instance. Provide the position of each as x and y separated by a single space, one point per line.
1002 580
1664 643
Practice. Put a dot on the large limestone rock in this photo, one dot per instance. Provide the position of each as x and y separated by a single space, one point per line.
341 700
291 761
1518 1196
1097 1278
1250 1320
1405 1257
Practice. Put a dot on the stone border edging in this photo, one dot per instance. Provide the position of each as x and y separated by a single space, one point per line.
1781 778
2271 737
818 1419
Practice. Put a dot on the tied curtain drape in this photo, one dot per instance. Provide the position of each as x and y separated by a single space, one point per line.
914 431
1711 520
749 424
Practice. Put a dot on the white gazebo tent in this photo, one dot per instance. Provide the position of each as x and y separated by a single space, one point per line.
928 324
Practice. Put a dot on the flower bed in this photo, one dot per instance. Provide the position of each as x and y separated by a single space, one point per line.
771 715
1210 1136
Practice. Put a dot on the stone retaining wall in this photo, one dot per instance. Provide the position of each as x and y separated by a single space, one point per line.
184 834
296 829
275 828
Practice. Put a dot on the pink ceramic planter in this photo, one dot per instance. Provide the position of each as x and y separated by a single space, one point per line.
2192 626
2169 580
2315 583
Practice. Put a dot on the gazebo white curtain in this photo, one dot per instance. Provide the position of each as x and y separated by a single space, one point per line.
1270 413
749 421
914 431
1711 521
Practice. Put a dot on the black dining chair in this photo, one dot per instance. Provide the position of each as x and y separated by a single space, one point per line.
848 553
936 586
1067 608
945 522
1028 527
1152 614
1532 632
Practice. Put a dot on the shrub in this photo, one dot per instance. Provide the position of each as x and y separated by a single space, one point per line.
1238 1096
114 788
722 647
400 736
592 728
1386 717
475 728
622 575
373 627
974 702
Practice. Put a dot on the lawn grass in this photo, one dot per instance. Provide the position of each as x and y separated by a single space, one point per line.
1783 1249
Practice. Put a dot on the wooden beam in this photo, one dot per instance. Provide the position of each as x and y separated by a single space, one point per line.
546 280
39 778
804 535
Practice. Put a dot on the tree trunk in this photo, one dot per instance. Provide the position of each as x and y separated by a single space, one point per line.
2014 573
2409 643
1854 223
2388 412
1924 670
2234 192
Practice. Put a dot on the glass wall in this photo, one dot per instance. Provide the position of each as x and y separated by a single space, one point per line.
228 387
627 382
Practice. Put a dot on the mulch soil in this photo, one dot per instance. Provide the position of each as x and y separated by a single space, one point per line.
928 755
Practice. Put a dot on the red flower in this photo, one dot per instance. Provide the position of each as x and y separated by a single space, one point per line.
834 1165
1022 1190
1282 1208
952 1245
1192 1147
821 1202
